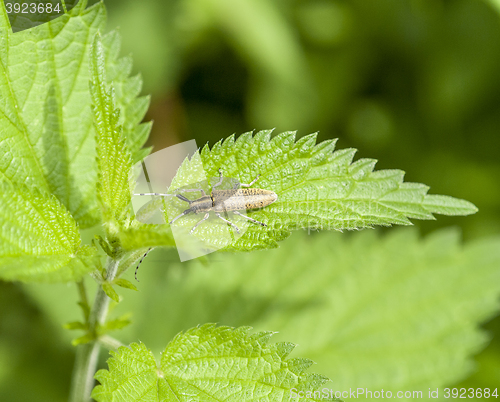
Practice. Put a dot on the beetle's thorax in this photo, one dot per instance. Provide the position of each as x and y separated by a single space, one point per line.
203 204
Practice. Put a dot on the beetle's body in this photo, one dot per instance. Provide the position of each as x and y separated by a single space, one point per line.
234 200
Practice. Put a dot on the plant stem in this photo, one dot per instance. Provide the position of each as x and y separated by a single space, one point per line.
110 342
84 302
87 355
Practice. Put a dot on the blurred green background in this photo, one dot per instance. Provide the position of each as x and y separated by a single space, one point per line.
412 83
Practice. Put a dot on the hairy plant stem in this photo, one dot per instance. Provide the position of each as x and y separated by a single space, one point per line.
87 355
84 301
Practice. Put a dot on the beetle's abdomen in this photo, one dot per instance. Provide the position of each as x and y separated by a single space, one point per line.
242 199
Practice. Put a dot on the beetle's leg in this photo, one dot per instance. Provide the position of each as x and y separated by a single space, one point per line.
231 223
144 256
187 211
197 224
250 219
254 180
220 180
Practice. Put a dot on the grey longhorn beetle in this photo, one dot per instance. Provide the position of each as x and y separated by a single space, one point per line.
234 200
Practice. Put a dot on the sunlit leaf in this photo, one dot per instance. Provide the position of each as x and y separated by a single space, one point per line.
317 188
40 240
114 161
397 312
46 124
208 364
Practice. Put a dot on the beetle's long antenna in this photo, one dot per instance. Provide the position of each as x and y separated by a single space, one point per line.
157 194
181 197
186 190
144 256
190 190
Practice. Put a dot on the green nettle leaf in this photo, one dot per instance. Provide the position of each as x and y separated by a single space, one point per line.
108 289
74 325
317 188
47 135
40 240
139 236
125 284
116 324
83 339
209 364
397 312
114 162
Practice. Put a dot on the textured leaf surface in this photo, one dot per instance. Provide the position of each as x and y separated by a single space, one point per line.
140 236
207 364
316 188
39 239
113 158
46 131
396 312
